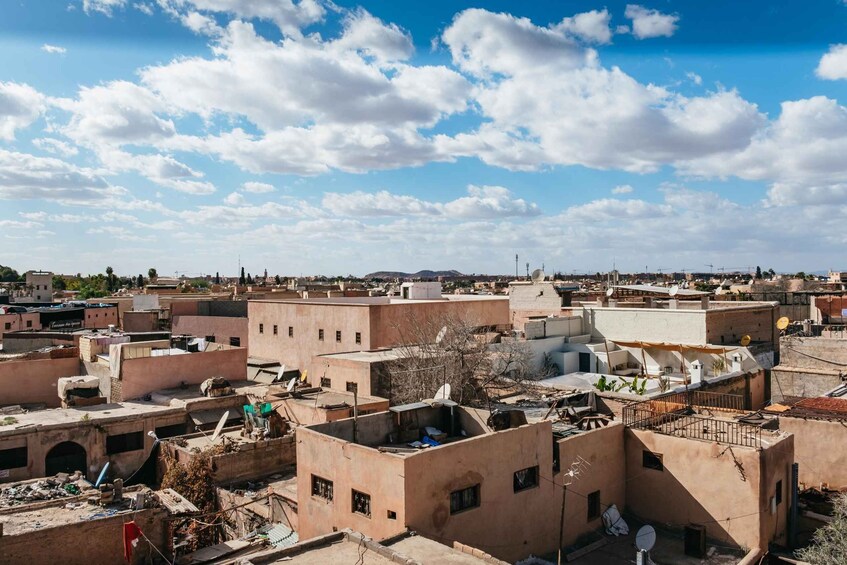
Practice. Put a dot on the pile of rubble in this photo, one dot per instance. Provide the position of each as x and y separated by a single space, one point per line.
50 488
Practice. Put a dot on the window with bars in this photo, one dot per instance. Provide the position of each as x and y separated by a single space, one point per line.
321 487
526 478
338 336
352 387
321 335
290 331
464 499
261 328
358 338
361 503
275 330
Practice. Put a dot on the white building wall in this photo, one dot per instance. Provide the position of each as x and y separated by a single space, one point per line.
636 324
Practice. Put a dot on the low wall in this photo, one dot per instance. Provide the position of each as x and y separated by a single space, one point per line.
249 461
793 381
34 381
817 461
222 328
87 541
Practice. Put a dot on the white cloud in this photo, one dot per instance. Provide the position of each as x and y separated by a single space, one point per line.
26 177
695 78
590 26
105 7
385 42
257 187
833 65
648 23
622 189
289 15
235 199
163 170
613 209
144 8
20 105
481 202
55 146
55 49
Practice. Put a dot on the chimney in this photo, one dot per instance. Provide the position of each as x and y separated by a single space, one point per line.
673 304
697 372
736 363
704 303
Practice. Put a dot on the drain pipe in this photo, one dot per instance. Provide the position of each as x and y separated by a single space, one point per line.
793 511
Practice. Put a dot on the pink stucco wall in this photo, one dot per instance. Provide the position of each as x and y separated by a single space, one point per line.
34 381
221 327
145 375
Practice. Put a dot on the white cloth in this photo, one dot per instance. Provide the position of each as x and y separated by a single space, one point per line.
614 522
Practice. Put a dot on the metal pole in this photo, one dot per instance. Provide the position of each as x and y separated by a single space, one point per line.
562 520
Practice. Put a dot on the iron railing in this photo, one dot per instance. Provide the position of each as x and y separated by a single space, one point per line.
676 414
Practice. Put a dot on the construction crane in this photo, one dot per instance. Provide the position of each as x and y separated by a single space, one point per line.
711 267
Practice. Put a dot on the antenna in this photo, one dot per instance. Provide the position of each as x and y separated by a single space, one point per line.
537 276
674 290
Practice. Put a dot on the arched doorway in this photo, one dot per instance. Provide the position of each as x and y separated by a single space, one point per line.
65 457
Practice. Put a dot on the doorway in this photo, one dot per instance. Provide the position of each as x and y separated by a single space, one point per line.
65 457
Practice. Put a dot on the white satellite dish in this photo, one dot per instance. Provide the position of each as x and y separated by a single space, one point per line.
280 373
291 384
610 292
645 538
674 290
220 426
443 393
441 334
537 276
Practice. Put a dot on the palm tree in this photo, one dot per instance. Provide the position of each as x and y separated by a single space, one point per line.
152 274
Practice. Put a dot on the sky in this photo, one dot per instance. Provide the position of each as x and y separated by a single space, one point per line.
312 137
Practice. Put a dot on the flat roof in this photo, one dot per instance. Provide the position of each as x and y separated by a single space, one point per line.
650 289
326 397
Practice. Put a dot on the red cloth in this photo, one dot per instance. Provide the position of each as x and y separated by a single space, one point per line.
131 533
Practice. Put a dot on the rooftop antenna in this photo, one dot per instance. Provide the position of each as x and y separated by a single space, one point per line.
527 269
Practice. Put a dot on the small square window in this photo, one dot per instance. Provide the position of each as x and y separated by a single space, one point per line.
210 338
29 323
235 341
326 383
361 503
464 499
352 387
525 478
322 488
321 335
290 331
8 325
594 505
358 338
275 329
392 515
778 493
338 336
261 328
652 460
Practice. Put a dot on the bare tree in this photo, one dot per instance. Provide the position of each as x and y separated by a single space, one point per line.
829 545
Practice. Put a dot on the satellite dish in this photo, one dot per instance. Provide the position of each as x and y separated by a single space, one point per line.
303 376
220 426
610 292
674 290
745 340
537 276
280 373
441 333
291 384
718 291
645 538
443 392
782 323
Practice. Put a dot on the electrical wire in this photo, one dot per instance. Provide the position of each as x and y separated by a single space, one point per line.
153 545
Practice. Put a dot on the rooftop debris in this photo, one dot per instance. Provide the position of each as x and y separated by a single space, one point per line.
50 488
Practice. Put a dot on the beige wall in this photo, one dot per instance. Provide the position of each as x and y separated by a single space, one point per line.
702 483
221 327
34 381
729 325
145 321
304 413
340 372
100 318
148 374
818 461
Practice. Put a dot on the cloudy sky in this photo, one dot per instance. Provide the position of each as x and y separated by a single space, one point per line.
318 137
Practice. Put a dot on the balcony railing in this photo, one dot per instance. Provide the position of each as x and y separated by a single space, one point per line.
677 414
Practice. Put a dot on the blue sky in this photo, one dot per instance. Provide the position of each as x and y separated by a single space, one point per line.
314 137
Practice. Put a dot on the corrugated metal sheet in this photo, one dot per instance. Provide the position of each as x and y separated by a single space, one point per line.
280 535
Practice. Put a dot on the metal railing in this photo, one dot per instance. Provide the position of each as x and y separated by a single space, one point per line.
675 414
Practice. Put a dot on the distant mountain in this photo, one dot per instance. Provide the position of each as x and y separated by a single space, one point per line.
425 274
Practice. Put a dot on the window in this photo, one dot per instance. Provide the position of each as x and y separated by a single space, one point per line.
361 503
29 323
525 478
778 493
275 330
321 488
163 432
13 458
290 331
358 338
594 505
556 464
352 387
321 335
235 341
8 325
261 328
326 383
121 443
652 460
392 515
464 499
210 338
338 336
